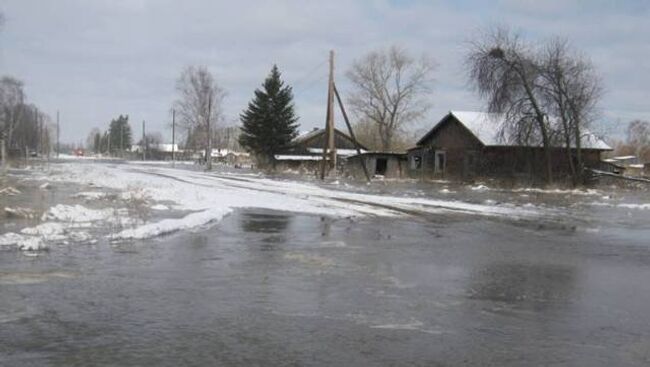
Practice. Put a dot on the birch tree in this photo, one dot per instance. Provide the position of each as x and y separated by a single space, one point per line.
506 73
572 90
199 106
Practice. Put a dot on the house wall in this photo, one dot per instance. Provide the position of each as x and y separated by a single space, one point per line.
466 157
456 142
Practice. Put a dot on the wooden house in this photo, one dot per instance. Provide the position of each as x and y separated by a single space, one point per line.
464 145
306 151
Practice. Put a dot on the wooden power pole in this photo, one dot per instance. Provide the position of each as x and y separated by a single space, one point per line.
329 146
57 133
173 136
208 155
144 143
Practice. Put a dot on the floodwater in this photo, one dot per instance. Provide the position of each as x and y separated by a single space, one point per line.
274 288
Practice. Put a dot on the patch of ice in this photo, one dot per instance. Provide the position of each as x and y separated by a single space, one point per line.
80 214
91 195
19 212
9 191
31 243
311 260
10 239
22 242
412 326
167 226
335 244
559 191
49 230
623 205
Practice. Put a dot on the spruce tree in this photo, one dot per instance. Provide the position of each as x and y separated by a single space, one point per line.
269 122
120 133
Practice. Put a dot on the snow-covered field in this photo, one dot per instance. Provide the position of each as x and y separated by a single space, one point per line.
205 198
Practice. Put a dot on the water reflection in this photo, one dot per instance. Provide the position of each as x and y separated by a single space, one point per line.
535 286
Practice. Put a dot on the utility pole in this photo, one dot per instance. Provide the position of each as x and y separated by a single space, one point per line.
354 138
330 107
3 152
121 139
329 146
57 133
209 152
173 135
144 144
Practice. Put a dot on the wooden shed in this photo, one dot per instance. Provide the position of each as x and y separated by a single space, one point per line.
383 164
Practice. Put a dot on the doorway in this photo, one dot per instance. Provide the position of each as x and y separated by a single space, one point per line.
381 165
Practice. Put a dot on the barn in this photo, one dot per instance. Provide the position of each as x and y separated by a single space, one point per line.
464 145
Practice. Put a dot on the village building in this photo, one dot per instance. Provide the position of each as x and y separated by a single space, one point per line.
306 151
629 165
379 164
465 145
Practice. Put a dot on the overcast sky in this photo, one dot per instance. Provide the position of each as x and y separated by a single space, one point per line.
94 60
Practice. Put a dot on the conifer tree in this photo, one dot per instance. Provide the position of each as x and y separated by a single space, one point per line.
269 122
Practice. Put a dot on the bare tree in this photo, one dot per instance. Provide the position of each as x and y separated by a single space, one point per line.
638 139
367 133
572 90
391 89
506 72
199 106
12 105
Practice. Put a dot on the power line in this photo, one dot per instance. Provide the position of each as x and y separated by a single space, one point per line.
307 76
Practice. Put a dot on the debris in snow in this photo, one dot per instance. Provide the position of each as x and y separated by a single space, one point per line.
91 195
480 188
80 214
18 212
10 191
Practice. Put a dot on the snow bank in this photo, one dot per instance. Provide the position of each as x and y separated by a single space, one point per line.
167 226
81 214
210 196
25 243
643 206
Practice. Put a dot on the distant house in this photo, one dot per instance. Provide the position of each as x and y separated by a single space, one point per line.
469 144
158 151
629 165
306 151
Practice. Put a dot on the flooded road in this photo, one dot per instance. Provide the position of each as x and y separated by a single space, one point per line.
270 287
